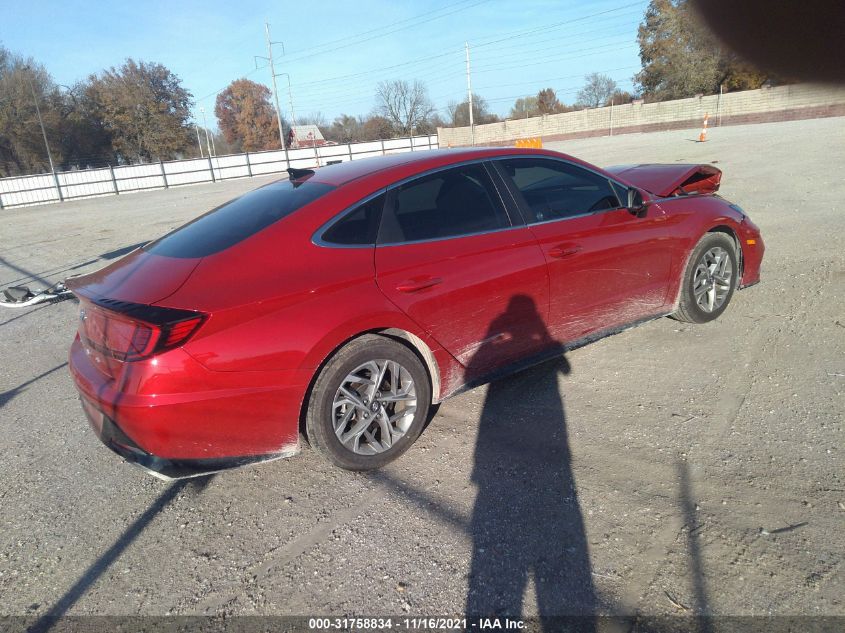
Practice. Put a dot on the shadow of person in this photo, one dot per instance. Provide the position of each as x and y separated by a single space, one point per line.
526 523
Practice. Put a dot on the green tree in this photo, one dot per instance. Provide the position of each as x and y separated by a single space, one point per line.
85 141
376 127
144 109
345 129
22 148
619 97
246 116
523 108
548 103
681 57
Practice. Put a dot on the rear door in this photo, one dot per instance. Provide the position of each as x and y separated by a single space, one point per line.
451 257
606 266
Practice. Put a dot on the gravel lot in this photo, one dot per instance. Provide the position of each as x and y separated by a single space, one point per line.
674 469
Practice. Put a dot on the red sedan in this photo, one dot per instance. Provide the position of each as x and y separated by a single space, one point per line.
341 303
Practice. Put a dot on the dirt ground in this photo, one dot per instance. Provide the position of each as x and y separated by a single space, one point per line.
669 470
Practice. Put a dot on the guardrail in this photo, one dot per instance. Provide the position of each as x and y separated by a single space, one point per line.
88 183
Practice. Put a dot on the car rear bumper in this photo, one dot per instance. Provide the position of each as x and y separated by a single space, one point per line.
167 469
176 419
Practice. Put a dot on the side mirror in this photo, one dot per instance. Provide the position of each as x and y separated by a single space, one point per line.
636 205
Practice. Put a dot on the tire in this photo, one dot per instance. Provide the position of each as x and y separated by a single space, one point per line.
344 399
709 280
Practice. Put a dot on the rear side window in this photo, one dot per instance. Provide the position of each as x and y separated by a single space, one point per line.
235 221
358 227
553 190
449 203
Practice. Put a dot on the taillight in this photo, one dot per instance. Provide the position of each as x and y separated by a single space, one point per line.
130 332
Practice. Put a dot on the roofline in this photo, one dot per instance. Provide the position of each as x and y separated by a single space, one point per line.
437 158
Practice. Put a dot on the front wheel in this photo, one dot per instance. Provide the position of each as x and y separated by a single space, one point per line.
369 403
709 280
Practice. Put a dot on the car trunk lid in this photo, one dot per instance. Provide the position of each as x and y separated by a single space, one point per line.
118 321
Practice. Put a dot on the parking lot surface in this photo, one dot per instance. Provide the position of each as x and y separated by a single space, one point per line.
670 469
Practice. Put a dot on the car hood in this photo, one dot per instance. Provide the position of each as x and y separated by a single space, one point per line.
670 180
140 277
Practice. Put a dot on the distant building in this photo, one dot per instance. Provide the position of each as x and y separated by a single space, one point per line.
305 136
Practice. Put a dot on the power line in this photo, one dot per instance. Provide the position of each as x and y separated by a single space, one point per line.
302 55
329 92
526 32
328 96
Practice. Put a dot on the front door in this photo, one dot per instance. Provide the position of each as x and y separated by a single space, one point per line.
450 257
607 267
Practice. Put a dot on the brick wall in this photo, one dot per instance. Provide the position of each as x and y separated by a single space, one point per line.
781 103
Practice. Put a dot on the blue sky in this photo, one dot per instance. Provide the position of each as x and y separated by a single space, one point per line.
336 52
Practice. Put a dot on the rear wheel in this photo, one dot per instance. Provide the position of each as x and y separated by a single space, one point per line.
709 279
369 403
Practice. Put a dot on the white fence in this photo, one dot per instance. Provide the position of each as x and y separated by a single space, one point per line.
88 183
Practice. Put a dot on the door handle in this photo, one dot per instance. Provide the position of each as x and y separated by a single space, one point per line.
563 250
415 284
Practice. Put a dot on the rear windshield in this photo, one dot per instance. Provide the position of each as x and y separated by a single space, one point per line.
235 221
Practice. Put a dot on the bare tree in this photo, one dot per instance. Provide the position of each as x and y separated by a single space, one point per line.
405 105
596 91
345 129
459 112
524 108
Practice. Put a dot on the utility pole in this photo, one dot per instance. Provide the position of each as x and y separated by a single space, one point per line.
199 144
469 98
205 126
275 89
44 134
290 98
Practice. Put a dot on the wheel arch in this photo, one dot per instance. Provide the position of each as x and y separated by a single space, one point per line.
401 336
727 230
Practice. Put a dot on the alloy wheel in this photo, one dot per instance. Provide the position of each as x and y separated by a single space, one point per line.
374 406
711 283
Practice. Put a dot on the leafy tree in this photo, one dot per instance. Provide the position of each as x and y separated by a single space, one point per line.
405 105
524 108
682 58
430 125
548 103
246 116
21 142
85 142
345 129
144 108
596 91
376 127
459 112
619 97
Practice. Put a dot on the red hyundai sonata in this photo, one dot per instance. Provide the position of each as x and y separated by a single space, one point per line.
341 303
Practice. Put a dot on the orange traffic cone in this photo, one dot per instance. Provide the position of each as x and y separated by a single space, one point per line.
703 136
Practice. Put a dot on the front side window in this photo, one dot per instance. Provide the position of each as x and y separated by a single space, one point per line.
553 190
449 203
